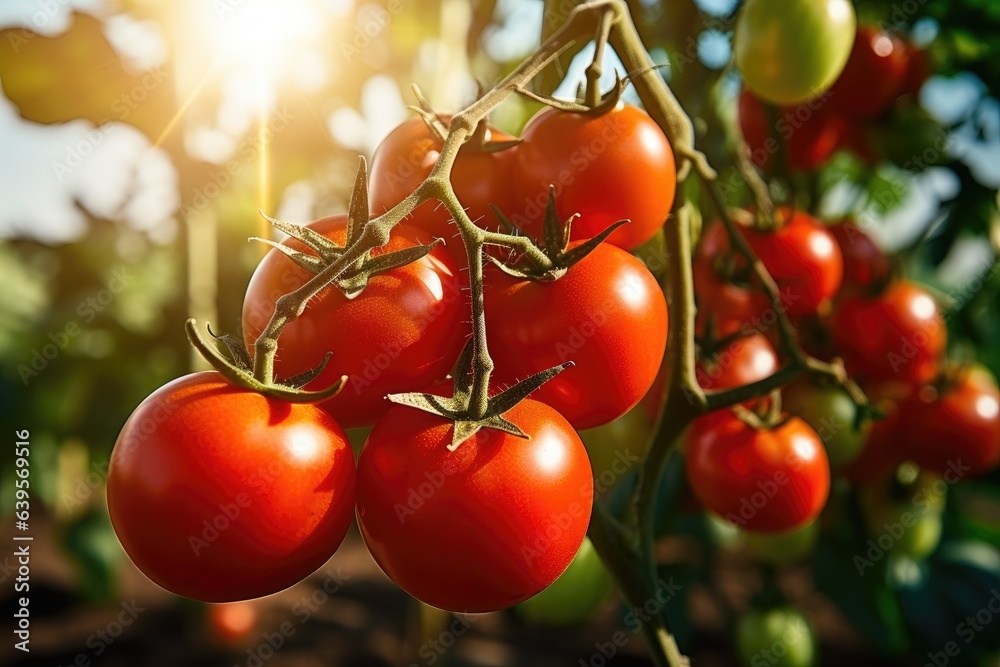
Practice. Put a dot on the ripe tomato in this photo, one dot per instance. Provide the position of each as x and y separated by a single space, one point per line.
803 258
832 413
765 481
405 158
606 168
866 267
809 133
898 335
918 70
784 548
882 450
792 50
780 637
220 494
873 77
480 528
402 333
743 361
723 306
958 425
576 595
606 314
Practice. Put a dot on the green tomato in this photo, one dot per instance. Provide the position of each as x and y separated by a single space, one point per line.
722 532
793 50
783 548
617 448
832 413
779 637
575 595
906 522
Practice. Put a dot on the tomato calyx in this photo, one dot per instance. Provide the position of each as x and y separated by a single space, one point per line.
556 246
457 407
605 104
354 280
238 370
439 125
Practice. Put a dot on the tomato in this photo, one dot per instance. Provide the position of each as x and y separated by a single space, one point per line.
803 258
402 333
906 521
607 168
232 623
918 69
808 133
866 267
576 595
766 481
483 527
792 50
404 159
218 493
745 360
606 314
873 77
780 637
617 447
898 335
724 307
881 451
833 415
786 548
958 425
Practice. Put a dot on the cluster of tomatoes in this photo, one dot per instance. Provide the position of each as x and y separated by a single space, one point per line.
882 72
221 493
771 472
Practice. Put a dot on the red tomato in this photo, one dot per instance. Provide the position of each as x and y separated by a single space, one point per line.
883 449
405 158
731 308
865 265
606 168
765 481
606 314
874 75
958 427
402 333
803 258
896 336
809 133
219 494
743 361
481 528
918 70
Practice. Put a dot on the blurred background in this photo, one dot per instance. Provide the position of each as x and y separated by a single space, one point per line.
139 138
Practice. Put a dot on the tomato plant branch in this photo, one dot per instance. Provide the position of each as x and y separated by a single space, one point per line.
592 96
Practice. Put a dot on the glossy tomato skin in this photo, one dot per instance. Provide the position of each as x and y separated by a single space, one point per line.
873 77
745 360
765 481
866 267
402 333
792 51
724 307
896 336
607 168
606 314
803 258
481 528
220 494
405 158
958 425
809 133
